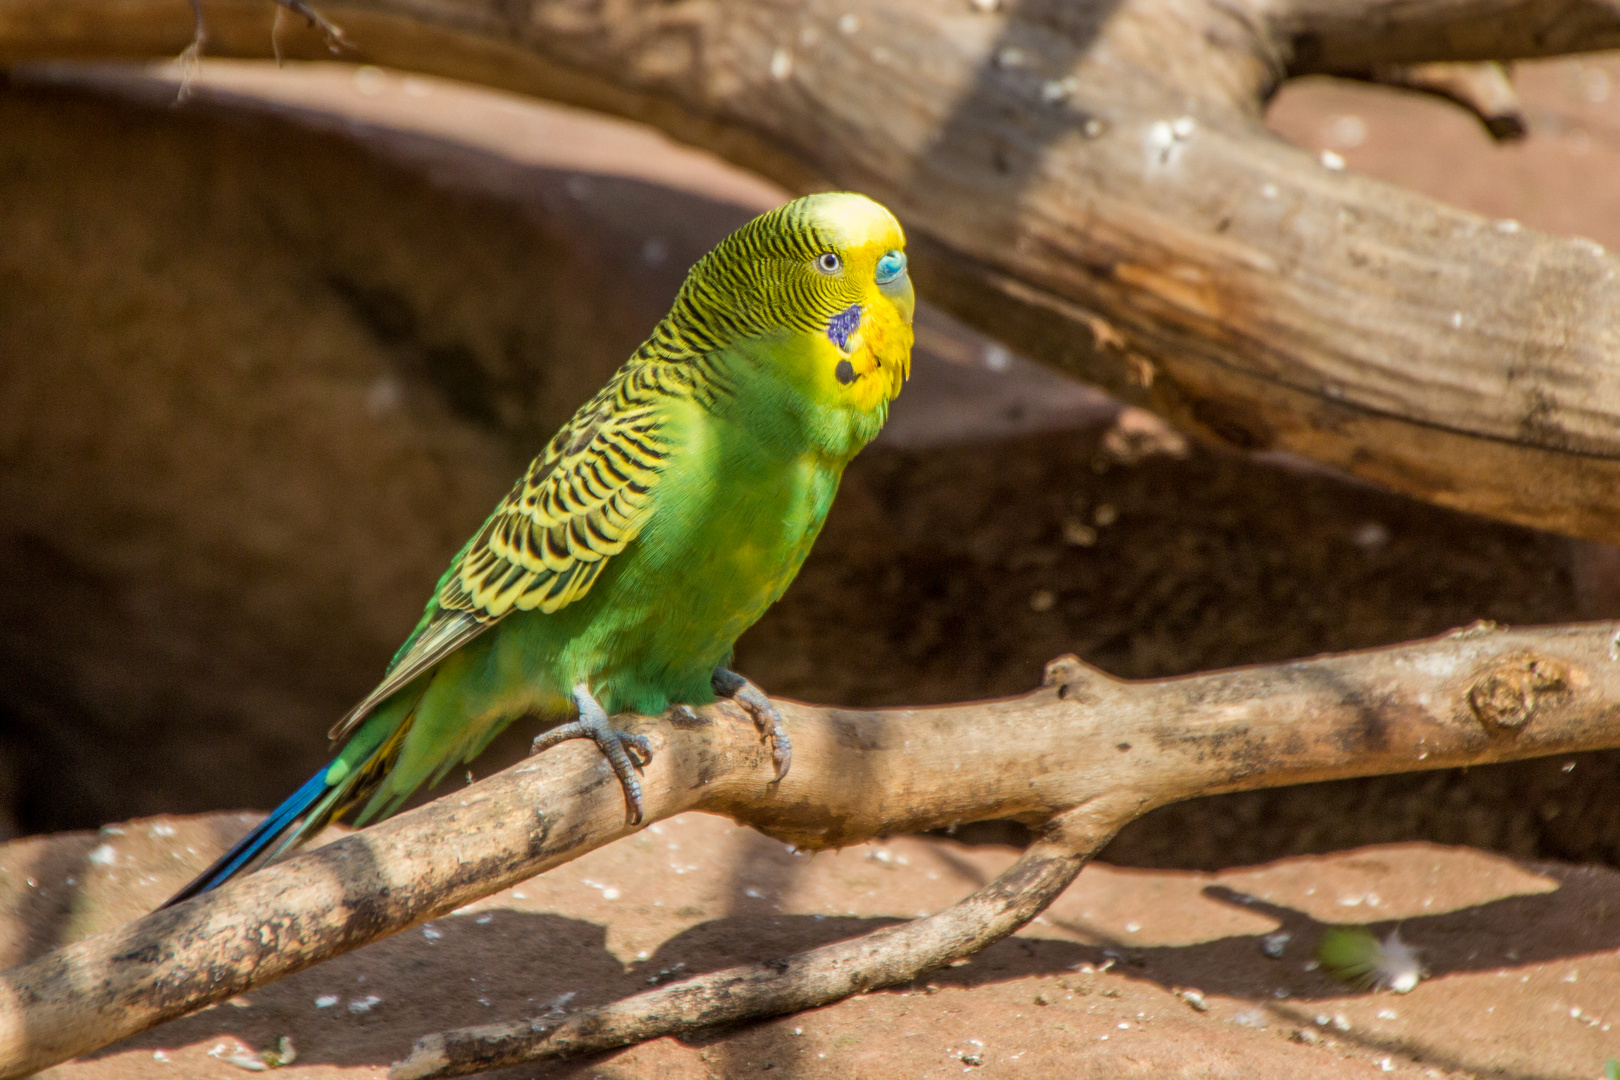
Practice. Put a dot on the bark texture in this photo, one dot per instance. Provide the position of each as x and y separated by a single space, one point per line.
1091 183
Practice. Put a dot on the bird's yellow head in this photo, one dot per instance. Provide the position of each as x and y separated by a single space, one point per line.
818 293
863 299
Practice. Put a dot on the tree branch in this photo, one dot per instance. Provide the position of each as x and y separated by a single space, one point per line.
1091 183
1110 750
1482 88
813 978
1337 37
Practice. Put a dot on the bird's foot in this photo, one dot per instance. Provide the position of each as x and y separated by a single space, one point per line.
593 724
731 685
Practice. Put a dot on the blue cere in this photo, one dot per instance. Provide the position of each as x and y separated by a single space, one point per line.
891 266
843 324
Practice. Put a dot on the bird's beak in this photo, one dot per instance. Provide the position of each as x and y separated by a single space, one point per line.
902 296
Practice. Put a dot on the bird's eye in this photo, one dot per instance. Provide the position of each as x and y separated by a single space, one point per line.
891 266
829 263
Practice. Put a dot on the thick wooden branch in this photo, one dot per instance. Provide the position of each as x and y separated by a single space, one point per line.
1110 749
1091 182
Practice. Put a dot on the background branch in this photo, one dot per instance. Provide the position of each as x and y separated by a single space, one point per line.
1083 740
1092 184
1331 36
1484 89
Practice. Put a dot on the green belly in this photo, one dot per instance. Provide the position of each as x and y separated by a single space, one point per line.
731 530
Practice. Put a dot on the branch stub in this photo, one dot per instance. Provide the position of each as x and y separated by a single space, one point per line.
1507 697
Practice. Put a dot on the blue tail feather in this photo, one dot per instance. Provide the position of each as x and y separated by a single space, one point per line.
259 840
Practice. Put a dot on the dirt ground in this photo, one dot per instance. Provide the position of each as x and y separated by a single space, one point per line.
281 358
1524 973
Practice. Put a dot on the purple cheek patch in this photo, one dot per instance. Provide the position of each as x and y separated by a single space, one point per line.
843 324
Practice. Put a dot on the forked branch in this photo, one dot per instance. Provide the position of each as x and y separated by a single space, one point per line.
1083 755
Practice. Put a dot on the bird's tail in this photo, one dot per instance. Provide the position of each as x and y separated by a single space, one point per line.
324 797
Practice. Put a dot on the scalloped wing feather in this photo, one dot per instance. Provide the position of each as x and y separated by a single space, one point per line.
585 497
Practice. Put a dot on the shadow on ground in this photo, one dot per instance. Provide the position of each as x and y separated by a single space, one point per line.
479 968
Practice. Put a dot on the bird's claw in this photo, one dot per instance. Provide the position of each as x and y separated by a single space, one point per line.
593 724
766 716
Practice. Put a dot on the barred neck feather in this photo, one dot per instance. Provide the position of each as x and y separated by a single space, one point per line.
752 285
791 319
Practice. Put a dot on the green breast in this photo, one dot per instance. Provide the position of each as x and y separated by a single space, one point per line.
736 515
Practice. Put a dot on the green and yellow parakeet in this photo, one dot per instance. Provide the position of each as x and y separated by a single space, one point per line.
653 529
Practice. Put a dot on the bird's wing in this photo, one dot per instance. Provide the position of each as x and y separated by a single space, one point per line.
586 496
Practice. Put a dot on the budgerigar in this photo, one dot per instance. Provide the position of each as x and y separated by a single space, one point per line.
652 530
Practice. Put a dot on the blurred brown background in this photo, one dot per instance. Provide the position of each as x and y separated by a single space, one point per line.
268 356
